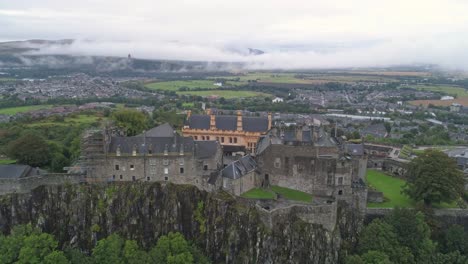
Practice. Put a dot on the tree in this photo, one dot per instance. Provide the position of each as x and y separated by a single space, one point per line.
29 149
56 257
172 249
433 177
133 254
412 232
456 239
131 121
36 248
109 250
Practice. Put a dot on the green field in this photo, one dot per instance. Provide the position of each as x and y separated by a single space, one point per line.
191 84
286 193
448 89
228 94
69 120
22 109
258 193
391 188
7 79
6 161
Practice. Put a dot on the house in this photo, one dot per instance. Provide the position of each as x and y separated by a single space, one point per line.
277 100
376 130
239 176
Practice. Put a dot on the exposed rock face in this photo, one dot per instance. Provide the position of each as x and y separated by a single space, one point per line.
228 229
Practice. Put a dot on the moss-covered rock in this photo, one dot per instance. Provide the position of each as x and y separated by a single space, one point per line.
227 229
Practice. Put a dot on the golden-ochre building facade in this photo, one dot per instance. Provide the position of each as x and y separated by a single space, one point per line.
234 133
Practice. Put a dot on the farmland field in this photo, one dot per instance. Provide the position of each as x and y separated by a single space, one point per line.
228 94
22 109
192 84
462 100
448 89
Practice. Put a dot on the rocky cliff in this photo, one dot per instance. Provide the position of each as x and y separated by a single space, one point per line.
228 229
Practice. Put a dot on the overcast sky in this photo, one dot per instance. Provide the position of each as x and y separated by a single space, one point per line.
294 34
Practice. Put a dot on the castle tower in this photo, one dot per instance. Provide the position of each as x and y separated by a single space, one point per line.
239 120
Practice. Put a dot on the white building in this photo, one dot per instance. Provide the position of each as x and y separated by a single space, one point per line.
277 100
447 98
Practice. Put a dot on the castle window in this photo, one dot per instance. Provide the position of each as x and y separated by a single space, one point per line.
205 167
117 167
203 137
181 170
235 140
133 178
166 178
152 170
277 163
195 137
166 170
207 137
132 167
113 177
230 139
340 192
181 162
222 139
121 177
329 179
150 151
152 161
340 181
147 178
166 162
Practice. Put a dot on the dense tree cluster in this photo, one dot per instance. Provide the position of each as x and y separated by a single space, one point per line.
404 237
29 245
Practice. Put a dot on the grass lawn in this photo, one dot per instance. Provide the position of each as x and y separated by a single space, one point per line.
259 193
22 109
391 188
291 194
187 105
6 161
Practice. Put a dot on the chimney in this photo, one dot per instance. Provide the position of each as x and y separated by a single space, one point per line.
314 134
239 120
208 111
269 120
189 114
299 133
212 121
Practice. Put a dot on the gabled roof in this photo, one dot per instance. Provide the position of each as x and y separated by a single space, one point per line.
239 168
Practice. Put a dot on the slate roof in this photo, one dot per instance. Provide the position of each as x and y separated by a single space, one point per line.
206 149
239 168
355 149
14 171
164 130
225 122
155 144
